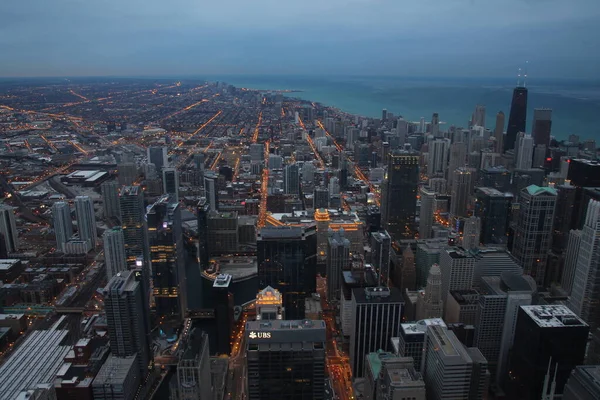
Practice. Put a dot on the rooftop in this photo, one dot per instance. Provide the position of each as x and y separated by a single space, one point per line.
553 316
114 371
535 190
419 327
222 280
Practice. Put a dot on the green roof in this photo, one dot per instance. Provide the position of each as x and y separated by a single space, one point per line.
375 360
534 190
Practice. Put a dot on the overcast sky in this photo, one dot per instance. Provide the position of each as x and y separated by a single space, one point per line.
559 38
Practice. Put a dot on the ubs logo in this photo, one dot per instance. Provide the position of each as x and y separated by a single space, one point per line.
259 335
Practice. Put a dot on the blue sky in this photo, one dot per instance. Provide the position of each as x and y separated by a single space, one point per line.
559 38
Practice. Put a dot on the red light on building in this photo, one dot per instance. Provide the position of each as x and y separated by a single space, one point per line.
549 159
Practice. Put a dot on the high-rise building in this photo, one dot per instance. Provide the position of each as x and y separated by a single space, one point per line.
493 261
534 230
8 228
430 304
118 379
166 258
223 232
286 359
376 318
127 172
384 114
224 303
478 118
338 259
517 119
320 198
583 383
287 258
291 179
158 156
563 215
171 182
399 197
210 190
499 132
542 126
381 244
571 256
127 331
257 152
110 199
462 186
62 224
586 282
193 368
426 212
435 125
408 278
411 340
458 158
388 376
471 233
493 208
86 219
334 187
269 304
524 151
450 370
133 223
438 157
457 267
547 338
114 251
202 211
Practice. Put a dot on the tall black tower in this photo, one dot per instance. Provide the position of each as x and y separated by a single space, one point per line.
517 119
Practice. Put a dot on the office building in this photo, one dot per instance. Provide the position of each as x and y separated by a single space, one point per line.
224 303
461 307
493 208
438 157
534 230
334 187
493 261
114 252
338 259
210 190
223 232
399 195
426 212
133 223
542 126
202 211
286 359
118 379
291 179
62 224
583 383
8 228
570 263
478 118
458 158
128 173
165 239
546 337
457 267
376 318
411 341
405 273
257 152
563 215
110 200
388 376
499 132
428 253
435 125
128 333
462 186
287 258
86 219
381 244
193 368
524 151
517 118
586 281
450 370
158 156
431 304
471 233
269 304
171 183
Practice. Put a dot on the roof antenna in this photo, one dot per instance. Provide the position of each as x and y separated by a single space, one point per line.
519 77
525 78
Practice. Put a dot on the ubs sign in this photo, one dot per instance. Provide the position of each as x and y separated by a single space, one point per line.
259 335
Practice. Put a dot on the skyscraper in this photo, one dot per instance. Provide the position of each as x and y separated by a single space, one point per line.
291 182
493 208
478 118
499 132
274 371
133 223
382 371
193 369
462 187
128 173
376 318
171 182
8 228
338 258
457 268
158 156
381 244
114 251
586 283
399 195
426 212
534 230
458 157
524 151
287 261
583 383
542 126
438 157
62 224
471 233
571 256
86 219
202 210
224 303
110 199
435 125
166 258
547 338
430 304
210 190
128 332
517 119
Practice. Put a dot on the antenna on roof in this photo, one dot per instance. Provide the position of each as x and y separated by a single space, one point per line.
525 78
519 77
